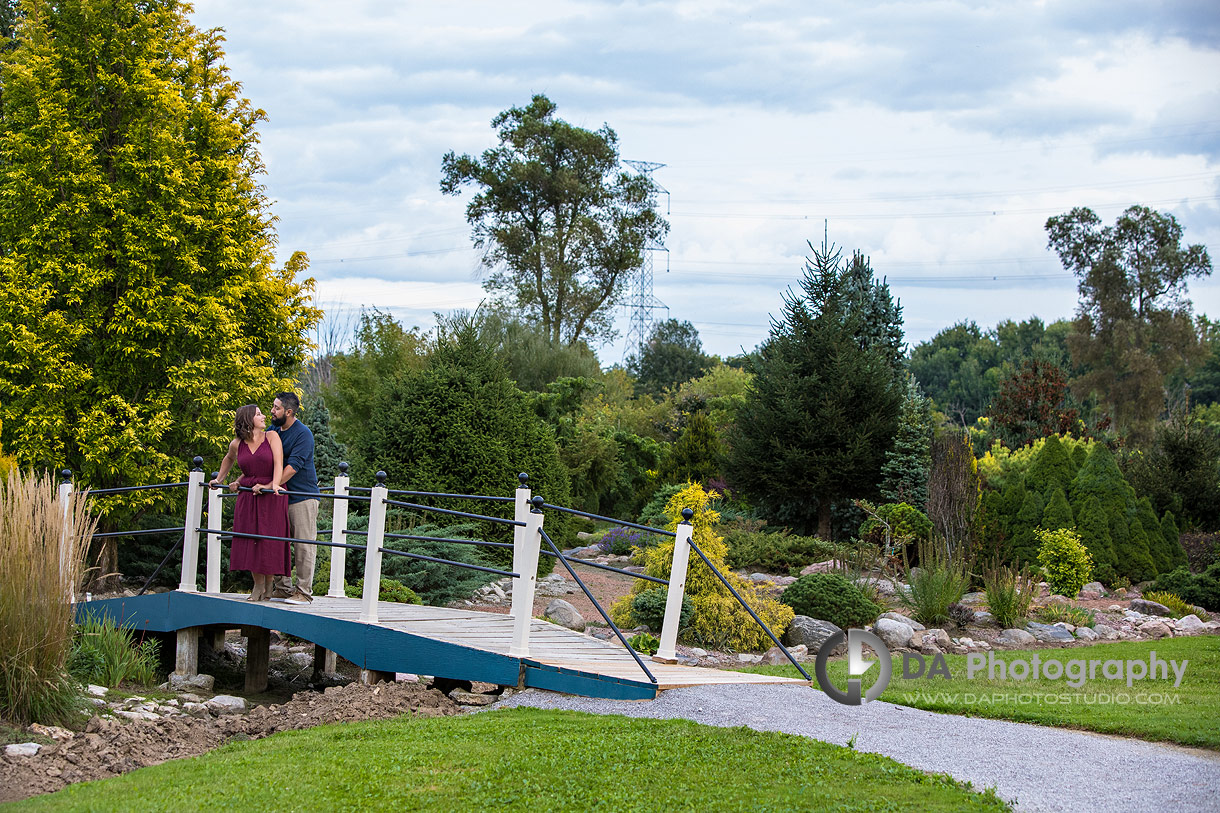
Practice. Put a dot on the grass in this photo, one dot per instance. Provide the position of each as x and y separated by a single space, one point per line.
1188 714
1076 616
109 655
37 578
526 759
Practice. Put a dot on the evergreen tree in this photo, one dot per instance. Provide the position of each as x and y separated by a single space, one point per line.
1173 541
1093 526
823 406
139 303
1024 541
1058 514
1131 548
1051 469
1100 477
904 476
1080 454
328 452
672 355
696 456
1162 554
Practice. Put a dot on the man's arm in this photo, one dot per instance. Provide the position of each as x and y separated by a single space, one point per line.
288 472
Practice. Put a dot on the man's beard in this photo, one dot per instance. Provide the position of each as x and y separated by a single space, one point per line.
277 422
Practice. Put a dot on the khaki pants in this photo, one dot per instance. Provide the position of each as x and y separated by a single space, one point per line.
302 524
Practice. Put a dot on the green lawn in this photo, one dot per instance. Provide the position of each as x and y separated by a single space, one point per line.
1188 714
524 759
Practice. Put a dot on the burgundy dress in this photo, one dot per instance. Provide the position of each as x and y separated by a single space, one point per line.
257 515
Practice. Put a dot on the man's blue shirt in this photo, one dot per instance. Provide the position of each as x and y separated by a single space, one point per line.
298 453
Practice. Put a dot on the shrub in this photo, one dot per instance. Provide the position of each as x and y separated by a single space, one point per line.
1065 560
1177 606
391 590
1199 588
35 584
940 580
830 597
648 608
717 620
108 655
644 643
1076 616
653 513
906 524
774 552
621 541
1010 592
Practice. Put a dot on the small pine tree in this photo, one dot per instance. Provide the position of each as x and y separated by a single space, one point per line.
1051 468
1058 514
1093 526
1100 477
1024 542
1131 548
904 475
696 456
1173 540
328 452
1162 555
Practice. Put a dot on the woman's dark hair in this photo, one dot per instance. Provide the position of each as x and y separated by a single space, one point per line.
243 422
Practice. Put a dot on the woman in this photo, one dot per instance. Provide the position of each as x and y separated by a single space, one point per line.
262 511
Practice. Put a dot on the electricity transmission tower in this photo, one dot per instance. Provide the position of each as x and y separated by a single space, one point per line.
640 302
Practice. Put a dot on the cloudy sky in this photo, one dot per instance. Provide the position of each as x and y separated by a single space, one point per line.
936 137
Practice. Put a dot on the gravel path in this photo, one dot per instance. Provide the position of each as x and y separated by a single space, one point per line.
1041 768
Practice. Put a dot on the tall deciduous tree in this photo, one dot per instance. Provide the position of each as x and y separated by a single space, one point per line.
953 489
1134 324
672 355
139 304
1033 402
823 406
560 224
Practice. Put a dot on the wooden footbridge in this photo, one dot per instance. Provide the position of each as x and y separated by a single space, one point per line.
383 638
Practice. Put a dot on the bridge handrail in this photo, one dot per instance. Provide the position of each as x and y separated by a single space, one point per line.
465 565
622 522
436 494
618 632
451 512
139 533
103 492
600 566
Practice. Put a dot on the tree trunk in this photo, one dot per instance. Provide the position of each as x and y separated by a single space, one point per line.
824 519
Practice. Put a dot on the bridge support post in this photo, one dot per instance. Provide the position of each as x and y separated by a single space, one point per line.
338 556
186 653
521 512
666 650
324 661
215 515
258 657
372 552
190 536
524 584
370 676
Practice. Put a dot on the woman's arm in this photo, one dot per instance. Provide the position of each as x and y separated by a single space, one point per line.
277 452
227 464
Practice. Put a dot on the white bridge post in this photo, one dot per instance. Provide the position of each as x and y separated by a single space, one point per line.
338 533
666 650
211 582
65 535
521 512
526 566
372 551
190 535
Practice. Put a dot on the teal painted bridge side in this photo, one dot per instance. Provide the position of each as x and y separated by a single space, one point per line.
369 646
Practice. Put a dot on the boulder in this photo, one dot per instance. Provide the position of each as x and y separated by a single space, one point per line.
895 634
821 567
698 652
1189 625
935 636
1146 607
1107 633
1086 634
226 704
564 614
812 633
1049 633
191 683
1016 638
22 749
902 619
775 655
974 599
465 698
983 617
1094 587
96 691
1155 629
1057 599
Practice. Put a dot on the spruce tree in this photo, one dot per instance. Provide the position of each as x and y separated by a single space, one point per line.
1024 542
1051 468
1093 526
1058 514
328 452
904 475
1162 554
1100 477
823 406
1132 558
1173 541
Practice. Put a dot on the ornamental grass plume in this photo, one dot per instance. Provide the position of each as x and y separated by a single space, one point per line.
41 565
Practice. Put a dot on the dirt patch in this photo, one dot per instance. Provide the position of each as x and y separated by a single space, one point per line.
109 747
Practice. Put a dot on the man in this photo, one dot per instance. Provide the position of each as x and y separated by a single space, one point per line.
301 479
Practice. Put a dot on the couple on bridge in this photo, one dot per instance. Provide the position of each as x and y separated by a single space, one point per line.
277 466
